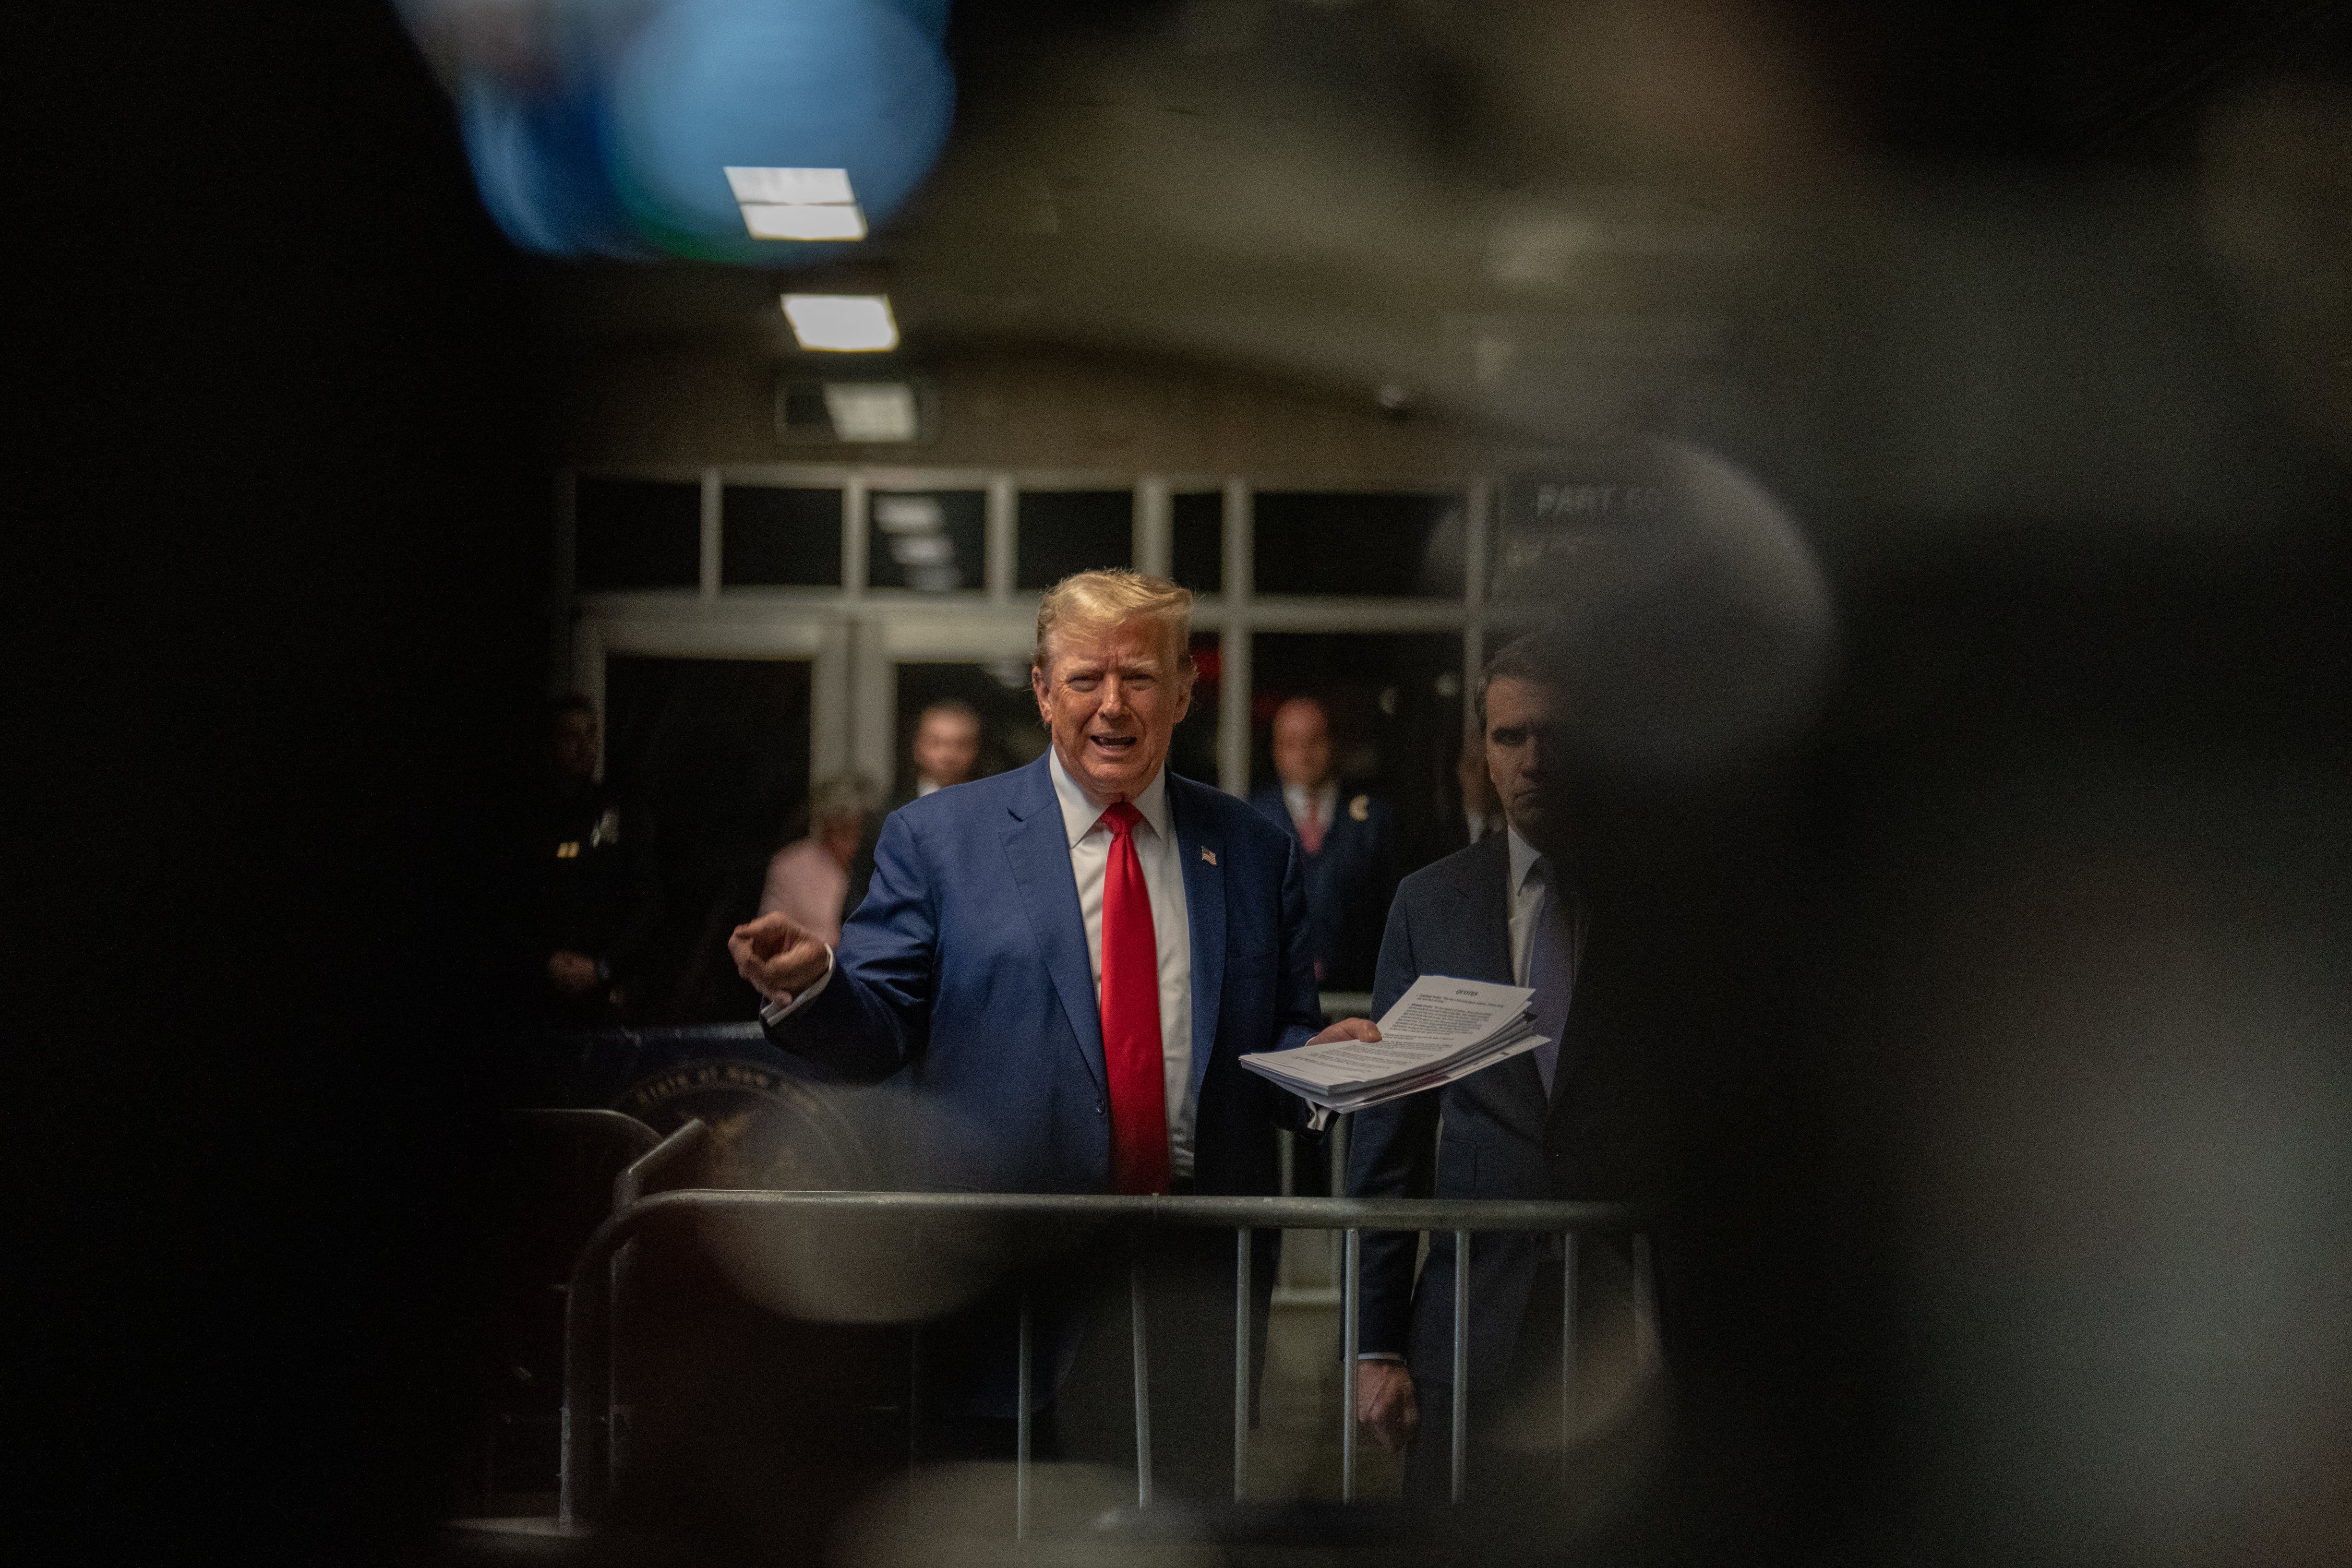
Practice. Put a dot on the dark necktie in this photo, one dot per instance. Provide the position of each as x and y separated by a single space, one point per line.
1130 1016
1551 969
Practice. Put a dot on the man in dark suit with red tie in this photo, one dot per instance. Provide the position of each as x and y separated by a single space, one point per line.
1063 965
1349 837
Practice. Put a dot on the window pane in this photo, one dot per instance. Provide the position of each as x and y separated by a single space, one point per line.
1393 703
1372 543
637 533
934 541
1062 531
1196 526
771 537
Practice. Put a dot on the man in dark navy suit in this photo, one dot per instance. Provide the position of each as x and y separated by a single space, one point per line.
1571 1119
1347 838
1063 965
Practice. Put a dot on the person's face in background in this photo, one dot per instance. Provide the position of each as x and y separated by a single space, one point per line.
1111 701
1527 757
947 746
1302 744
576 744
1470 773
841 835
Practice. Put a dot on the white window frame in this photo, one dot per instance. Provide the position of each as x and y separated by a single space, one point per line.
855 636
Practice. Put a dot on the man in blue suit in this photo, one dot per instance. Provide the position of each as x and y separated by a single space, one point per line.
1063 965
1577 1118
1347 838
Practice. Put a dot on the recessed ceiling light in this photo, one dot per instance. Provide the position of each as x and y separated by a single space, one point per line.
872 411
768 220
843 323
796 187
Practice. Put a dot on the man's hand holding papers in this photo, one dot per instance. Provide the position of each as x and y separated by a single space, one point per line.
1442 1029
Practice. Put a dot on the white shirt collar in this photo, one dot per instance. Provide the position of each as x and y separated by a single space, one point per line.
1524 856
1080 814
1325 796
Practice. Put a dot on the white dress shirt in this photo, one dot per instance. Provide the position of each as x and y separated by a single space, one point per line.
1163 875
1326 801
1527 907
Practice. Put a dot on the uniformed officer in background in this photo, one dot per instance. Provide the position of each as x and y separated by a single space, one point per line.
594 902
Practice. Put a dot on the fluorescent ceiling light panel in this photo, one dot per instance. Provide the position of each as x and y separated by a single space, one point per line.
843 323
797 203
871 411
790 187
781 221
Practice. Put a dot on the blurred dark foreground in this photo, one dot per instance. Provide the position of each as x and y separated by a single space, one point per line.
2019 1181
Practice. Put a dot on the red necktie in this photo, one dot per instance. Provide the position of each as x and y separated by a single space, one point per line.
1130 1016
1310 832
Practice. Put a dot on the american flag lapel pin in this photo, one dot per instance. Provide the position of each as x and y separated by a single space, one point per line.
1208 854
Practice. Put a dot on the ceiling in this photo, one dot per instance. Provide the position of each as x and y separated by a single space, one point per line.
1558 217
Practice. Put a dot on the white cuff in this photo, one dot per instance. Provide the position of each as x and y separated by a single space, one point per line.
772 1013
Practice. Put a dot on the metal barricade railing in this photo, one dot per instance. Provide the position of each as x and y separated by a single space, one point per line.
587 1367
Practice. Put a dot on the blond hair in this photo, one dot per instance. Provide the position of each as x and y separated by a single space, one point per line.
1097 601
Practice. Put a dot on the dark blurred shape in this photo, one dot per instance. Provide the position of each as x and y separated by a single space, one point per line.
1694 629
740 1423
713 756
637 533
2277 205
774 536
547 1183
1066 532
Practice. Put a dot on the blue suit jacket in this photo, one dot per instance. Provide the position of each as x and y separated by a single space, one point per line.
1349 883
964 978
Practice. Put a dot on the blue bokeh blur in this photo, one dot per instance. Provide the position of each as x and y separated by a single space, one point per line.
602 128
806 84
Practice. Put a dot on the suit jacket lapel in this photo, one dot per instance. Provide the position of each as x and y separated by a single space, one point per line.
1484 885
1205 916
1038 849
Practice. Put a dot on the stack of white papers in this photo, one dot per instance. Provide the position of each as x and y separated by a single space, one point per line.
1441 1030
